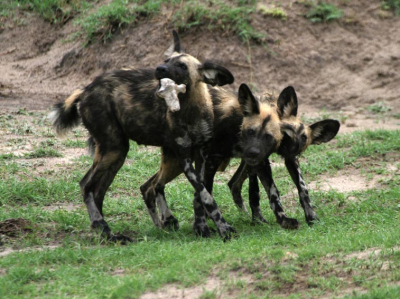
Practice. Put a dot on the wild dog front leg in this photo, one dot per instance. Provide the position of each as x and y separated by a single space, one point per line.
235 186
208 202
265 174
200 226
293 167
210 167
254 199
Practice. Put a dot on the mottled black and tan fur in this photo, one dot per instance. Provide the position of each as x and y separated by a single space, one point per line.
297 136
122 105
243 127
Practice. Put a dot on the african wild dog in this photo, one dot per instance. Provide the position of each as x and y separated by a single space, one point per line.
296 138
122 105
246 128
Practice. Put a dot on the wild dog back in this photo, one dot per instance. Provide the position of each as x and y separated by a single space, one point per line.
122 105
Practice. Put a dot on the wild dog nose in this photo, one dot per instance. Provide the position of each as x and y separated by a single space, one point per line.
161 71
253 152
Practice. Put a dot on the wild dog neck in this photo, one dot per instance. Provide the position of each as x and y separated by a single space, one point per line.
196 95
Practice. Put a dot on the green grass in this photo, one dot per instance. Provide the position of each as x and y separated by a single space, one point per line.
273 11
309 262
218 15
100 22
393 5
54 11
113 17
379 107
323 12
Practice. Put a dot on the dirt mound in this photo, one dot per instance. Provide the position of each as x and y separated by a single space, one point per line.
13 227
344 65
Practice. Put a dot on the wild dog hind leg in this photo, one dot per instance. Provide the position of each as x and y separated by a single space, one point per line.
153 191
235 186
107 162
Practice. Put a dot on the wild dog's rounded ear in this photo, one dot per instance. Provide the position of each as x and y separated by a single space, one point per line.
215 74
324 130
176 46
287 103
248 102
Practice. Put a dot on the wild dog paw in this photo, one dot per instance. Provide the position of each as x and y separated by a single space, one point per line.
289 223
171 223
119 238
258 218
202 230
101 226
228 233
312 218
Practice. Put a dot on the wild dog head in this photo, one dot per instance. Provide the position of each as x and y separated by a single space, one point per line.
186 69
297 136
260 132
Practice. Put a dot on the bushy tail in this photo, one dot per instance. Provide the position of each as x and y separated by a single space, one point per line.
64 115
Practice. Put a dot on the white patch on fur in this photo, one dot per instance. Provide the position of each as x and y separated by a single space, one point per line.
206 197
94 213
162 205
273 190
210 74
53 115
192 176
184 141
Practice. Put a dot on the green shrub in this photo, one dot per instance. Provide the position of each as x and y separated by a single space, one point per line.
54 11
324 12
217 14
392 5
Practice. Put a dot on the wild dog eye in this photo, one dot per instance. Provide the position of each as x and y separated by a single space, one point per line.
268 137
304 137
182 66
251 132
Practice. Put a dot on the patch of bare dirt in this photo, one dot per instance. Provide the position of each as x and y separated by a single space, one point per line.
69 207
353 179
339 265
213 284
14 227
345 181
344 65
361 255
8 251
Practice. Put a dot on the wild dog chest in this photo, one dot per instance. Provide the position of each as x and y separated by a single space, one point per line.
191 122
188 132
